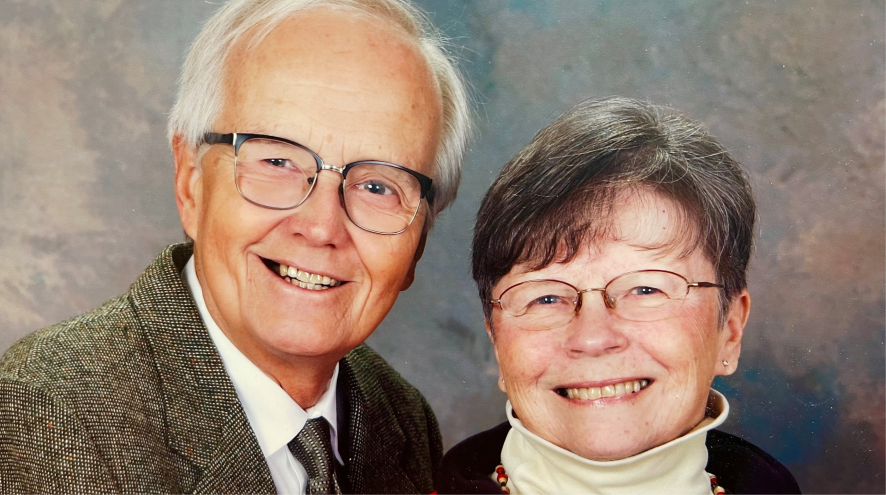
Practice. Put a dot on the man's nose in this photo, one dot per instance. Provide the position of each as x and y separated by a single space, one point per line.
595 331
321 218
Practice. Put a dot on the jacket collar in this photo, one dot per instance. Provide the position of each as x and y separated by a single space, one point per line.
206 423
376 442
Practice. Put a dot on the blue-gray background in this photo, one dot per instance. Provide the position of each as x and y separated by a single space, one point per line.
794 89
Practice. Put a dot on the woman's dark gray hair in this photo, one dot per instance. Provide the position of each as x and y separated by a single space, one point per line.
559 192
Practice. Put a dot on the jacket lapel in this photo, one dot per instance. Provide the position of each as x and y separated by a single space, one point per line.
237 464
375 443
206 422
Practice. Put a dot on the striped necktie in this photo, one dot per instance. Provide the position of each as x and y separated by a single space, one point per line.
313 449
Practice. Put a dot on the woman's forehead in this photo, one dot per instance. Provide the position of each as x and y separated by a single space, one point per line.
649 220
643 228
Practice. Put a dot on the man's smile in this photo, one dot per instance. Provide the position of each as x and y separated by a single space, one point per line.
301 278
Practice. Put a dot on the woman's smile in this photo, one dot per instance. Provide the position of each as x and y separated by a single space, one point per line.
613 390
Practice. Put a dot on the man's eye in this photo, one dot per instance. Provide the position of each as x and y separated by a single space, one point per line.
375 188
278 162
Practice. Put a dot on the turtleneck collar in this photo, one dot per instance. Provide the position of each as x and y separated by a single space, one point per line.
535 465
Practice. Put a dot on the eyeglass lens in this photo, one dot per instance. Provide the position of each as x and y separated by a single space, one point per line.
378 197
639 296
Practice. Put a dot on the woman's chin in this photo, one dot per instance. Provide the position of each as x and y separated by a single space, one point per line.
608 451
607 438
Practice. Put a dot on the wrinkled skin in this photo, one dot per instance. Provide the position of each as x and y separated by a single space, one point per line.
680 355
349 87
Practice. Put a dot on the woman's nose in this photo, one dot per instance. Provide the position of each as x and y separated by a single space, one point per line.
595 331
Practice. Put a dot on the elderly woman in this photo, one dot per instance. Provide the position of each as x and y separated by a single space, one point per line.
611 257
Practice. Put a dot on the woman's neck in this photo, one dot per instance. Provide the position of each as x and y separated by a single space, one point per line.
535 465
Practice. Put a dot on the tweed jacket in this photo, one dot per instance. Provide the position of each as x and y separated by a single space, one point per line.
133 397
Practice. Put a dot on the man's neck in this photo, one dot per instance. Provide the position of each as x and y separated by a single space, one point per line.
305 379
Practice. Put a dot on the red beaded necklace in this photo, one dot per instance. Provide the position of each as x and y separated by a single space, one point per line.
502 477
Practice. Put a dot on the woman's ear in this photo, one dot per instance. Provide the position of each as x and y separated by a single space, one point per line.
501 377
731 334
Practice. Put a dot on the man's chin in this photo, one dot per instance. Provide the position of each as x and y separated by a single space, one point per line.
287 342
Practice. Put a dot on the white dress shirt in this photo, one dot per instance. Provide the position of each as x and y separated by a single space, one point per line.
274 417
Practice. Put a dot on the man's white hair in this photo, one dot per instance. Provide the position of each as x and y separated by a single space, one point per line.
201 88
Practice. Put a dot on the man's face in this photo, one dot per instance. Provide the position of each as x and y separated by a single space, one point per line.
349 87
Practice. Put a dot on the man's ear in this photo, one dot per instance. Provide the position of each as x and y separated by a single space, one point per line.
188 187
501 377
419 250
731 334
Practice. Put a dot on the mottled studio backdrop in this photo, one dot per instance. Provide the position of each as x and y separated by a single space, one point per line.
795 89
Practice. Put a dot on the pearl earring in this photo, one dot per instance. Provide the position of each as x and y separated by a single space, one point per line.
725 363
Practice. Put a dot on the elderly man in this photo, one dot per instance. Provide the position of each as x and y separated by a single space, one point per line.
314 142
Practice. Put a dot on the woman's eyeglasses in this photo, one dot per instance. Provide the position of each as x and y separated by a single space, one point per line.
644 295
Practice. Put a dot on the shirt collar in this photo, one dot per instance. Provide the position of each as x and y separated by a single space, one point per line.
275 418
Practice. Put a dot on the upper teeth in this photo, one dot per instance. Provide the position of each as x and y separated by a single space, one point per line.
306 280
619 389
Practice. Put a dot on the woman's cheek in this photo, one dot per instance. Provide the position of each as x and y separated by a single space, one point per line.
526 355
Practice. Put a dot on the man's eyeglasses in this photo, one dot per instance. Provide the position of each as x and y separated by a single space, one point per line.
644 295
279 174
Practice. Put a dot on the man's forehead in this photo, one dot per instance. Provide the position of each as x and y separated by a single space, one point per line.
330 49
323 33
347 85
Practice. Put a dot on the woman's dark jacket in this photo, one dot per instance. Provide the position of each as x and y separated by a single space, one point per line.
740 466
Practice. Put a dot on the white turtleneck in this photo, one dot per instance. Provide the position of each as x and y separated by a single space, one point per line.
535 465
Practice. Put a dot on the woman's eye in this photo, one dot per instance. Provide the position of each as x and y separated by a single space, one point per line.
645 291
375 188
549 299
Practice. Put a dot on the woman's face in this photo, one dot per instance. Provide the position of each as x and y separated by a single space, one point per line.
678 356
